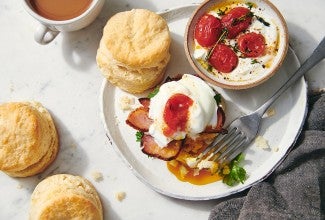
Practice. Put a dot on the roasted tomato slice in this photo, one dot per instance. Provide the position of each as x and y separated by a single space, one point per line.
236 20
151 148
223 58
207 30
251 44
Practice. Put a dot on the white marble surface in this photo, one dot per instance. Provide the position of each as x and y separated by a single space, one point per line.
64 77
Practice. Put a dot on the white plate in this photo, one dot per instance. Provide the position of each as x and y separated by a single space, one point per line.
281 130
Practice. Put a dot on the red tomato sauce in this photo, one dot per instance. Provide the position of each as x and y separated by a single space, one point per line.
176 113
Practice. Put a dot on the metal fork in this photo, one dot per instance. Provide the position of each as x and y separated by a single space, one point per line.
243 130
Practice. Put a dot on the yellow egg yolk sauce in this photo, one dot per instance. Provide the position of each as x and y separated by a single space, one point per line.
187 174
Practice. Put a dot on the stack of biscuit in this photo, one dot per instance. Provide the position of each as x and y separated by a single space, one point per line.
65 196
134 50
28 138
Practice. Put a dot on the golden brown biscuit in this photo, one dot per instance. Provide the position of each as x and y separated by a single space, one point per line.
137 38
134 57
28 138
65 196
69 207
131 80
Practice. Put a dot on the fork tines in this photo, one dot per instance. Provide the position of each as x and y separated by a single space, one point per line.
225 147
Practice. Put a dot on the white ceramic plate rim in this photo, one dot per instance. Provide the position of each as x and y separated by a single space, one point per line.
110 129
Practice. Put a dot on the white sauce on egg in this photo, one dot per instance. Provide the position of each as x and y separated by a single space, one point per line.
202 112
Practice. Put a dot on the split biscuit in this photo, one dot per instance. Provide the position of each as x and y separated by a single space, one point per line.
28 138
64 196
131 80
134 50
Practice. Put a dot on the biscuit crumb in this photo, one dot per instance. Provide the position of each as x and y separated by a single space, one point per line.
275 149
261 142
19 186
116 120
97 176
126 103
120 196
270 112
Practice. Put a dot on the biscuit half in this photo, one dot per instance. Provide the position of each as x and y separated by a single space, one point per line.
134 58
137 38
28 138
128 79
64 196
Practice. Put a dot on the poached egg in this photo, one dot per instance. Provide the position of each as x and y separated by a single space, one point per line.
180 108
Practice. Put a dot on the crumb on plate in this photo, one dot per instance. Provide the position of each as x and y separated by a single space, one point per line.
120 196
270 112
126 103
116 120
97 176
275 149
261 142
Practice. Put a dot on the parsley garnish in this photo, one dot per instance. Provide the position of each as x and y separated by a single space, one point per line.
139 136
153 93
237 173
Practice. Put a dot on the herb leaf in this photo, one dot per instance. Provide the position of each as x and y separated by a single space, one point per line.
250 5
254 61
242 18
153 93
237 173
235 48
260 19
217 97
221 12
222 37
139 136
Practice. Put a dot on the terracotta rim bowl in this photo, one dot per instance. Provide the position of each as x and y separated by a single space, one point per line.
283 41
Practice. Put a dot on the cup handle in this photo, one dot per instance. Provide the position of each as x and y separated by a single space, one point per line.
44 35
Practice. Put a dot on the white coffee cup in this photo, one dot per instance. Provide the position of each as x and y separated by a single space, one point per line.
49 29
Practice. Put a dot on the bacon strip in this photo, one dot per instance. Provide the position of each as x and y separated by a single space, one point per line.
198 144
151 148
220 123
145 102
139 119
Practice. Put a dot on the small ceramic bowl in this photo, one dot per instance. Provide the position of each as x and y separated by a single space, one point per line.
250 71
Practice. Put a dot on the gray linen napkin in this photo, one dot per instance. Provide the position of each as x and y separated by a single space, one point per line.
296 189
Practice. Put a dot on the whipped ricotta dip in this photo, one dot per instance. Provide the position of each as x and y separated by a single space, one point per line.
247 68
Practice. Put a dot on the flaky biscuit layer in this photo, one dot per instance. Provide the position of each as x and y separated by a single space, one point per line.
138 38
131 80
60 190
27 133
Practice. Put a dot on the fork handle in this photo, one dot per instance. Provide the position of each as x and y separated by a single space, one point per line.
315 58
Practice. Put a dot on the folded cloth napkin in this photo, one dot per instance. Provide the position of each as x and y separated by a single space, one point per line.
296 189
